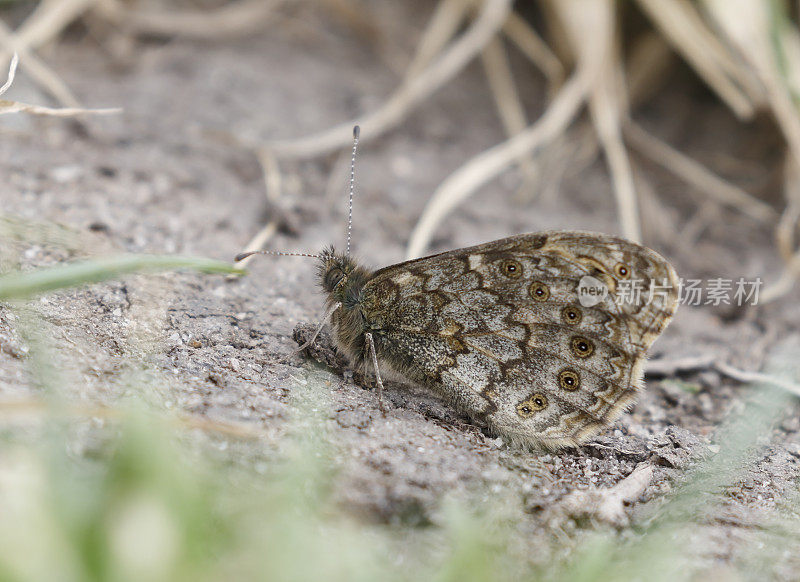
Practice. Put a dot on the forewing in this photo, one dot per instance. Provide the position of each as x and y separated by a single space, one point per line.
506 331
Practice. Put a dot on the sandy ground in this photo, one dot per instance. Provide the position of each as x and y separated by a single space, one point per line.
164 178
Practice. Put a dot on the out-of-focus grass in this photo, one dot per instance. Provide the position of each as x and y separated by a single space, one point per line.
148 501
154 506
147 505
20 285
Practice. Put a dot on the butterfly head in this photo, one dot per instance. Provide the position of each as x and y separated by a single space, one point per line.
333 269
341 277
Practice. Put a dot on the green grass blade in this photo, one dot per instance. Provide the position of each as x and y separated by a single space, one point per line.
19 285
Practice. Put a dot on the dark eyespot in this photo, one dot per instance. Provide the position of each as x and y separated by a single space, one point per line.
569 379
511 268
534 403
539 291
571 315
582 347
622 271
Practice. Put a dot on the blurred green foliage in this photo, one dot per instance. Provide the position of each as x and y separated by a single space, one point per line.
139 495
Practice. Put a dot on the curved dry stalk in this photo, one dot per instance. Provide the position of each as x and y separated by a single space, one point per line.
235 19
684 28
646 69
569 155
273 185
791 53
442 26
657 222
785 282
701 219
606 101
606 107
411 92
462 183
257 243
764 46
501 82
506 97
41 73
695 174
785 112
46 22
785 234
686 364
12 73
50 18
532 46
7 106
757 378
785 230
338 178
273 179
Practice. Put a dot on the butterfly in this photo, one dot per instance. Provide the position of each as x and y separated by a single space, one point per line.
500 332
542 337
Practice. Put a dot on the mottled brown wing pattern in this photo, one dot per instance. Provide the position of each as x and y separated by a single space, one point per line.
500 331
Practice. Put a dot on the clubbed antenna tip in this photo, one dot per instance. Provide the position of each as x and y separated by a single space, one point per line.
243 256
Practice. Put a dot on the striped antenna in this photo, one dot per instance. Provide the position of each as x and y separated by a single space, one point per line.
243 256
356 134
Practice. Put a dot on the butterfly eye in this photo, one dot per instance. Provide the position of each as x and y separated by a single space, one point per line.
511 268
569 379
622 271
539 291
571 315
533 403
332 278
582 347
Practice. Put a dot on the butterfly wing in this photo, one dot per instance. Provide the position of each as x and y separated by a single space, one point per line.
543 335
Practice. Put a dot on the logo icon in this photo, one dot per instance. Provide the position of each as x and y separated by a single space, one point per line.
591 291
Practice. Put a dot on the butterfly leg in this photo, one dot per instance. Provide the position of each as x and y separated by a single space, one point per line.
322 323
371 344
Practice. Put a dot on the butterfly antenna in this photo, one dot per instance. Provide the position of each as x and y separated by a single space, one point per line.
243 256
356 134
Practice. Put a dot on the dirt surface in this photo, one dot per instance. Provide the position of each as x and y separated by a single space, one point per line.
164 178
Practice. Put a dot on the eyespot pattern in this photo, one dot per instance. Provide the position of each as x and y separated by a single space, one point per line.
531 405
582 347
539 291
569 379
622 271
511 268
571 315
